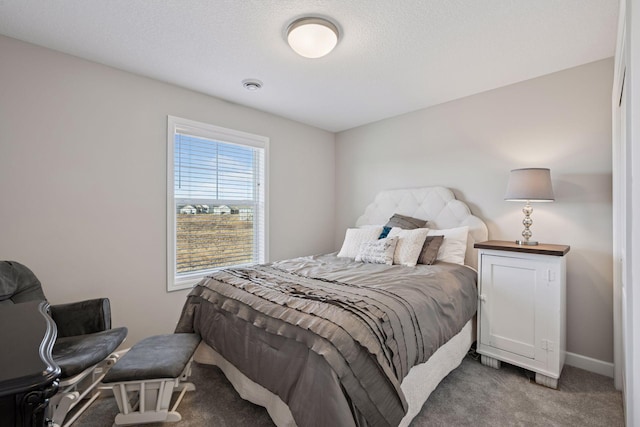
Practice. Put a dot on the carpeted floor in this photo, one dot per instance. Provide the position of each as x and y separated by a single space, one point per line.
472 395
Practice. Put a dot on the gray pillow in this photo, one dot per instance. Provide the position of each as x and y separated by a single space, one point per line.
430 250
405 222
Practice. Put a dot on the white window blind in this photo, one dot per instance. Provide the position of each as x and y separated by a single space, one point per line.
216 208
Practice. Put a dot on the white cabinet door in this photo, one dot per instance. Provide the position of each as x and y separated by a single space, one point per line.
512 300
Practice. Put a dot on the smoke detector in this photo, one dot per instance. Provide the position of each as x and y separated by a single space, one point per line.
252 85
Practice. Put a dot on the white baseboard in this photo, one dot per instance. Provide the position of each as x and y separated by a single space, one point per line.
589 364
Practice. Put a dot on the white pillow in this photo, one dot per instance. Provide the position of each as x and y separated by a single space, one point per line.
454 245
354 237
409 245
378 252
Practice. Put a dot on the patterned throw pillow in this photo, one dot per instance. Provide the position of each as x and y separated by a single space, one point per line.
430 250
378 252
405 222
354 237
409 245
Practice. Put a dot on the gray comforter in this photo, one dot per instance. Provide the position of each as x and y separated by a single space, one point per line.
331 337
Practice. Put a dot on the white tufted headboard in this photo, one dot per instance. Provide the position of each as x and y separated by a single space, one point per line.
437 205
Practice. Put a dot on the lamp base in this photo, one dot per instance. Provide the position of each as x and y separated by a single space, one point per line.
526 242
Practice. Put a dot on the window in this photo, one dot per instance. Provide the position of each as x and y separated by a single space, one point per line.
216 200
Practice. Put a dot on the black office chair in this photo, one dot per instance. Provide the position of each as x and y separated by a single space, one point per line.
85 344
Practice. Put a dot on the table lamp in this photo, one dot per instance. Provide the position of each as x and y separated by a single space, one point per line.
529 185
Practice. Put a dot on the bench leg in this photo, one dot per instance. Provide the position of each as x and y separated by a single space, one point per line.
148 401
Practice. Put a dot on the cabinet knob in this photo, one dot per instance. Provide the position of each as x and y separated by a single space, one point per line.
482 298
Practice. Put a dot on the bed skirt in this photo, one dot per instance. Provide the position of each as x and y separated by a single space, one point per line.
417 385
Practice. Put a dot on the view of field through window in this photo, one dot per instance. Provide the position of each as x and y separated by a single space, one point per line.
210 240
217 197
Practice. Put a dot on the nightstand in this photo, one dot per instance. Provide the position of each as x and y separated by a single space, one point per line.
522 307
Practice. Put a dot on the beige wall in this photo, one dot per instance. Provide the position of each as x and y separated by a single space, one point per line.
83 180
561 121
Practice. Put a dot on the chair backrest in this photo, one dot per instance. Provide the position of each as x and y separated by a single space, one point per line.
18 284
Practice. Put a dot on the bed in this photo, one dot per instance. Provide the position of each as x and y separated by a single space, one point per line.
327 340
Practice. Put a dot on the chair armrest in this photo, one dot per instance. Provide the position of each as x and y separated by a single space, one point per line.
82 317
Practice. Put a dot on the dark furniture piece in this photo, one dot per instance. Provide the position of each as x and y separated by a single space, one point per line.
28 374
85 341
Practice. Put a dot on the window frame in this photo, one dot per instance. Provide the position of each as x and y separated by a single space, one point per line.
216 133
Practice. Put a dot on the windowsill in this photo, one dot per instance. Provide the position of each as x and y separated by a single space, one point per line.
188 282
182 284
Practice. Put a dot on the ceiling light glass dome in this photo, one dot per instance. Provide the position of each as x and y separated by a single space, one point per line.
312 37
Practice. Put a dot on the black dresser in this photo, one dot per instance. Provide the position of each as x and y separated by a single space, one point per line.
28 374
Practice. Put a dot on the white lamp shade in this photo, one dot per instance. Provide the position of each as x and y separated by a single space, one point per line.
530 184
312 37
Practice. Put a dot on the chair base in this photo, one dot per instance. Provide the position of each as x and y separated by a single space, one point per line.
74 390
147 401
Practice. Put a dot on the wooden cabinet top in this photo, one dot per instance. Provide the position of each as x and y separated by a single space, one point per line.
511 246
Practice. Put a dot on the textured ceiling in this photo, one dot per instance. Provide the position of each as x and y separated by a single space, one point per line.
393 56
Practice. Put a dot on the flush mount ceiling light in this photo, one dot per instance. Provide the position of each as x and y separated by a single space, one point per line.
312 37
